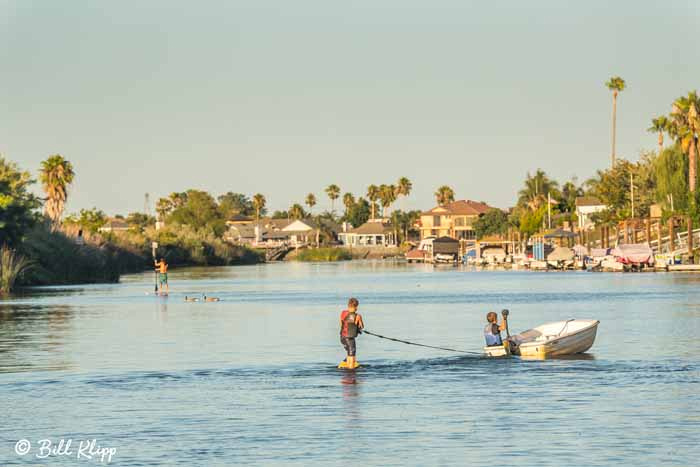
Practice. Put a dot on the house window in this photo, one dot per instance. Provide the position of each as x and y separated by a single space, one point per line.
436 221
459 221
434 233
466 235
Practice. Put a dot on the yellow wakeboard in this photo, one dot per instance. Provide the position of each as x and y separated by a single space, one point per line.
344 364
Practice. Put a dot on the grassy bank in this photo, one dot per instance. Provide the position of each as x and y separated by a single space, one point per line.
323 254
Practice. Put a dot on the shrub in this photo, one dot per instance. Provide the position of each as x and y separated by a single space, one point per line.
323 254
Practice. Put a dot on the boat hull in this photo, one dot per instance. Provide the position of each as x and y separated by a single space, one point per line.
569 344
497 350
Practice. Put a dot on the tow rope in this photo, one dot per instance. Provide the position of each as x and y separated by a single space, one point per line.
420 345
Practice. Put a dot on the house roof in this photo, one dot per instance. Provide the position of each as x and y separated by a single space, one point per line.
445 240
116 224
240 218
588 201
465 207
372 228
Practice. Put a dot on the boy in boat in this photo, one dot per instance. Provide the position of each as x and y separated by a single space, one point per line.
162 267
351 325
492 331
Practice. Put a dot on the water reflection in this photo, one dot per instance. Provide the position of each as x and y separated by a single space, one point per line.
33 337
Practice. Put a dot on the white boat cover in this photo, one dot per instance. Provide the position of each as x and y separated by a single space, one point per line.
599 252
637 253
580 250
561 253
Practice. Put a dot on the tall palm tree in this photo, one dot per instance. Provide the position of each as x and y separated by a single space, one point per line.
259 203
296 211
685 128
404 187
310 201
333 192
444 195
373 196
616 85
659 125
56 175
387 197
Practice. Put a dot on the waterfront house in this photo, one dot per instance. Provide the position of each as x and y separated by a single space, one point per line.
585 207
373 233
454 220
114 225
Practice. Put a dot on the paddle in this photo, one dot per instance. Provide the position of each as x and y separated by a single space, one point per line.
154 245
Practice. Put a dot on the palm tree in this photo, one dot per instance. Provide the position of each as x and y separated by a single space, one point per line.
616 85
333 192
310 201
536 189
348 200
296 211
373 196
387 196
259 203
685 128
659 125
404 187
56 175
444 195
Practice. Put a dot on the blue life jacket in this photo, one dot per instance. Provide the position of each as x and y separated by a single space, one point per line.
492 335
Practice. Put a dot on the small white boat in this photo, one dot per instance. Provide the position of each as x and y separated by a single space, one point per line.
551 340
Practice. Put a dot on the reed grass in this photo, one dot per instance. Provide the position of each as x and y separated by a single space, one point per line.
323 255
12 266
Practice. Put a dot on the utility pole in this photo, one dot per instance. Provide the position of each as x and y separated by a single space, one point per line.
147 204
632 193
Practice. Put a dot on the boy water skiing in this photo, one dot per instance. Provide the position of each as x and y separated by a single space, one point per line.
351 325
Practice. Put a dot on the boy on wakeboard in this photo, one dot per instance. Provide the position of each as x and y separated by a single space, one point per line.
351 325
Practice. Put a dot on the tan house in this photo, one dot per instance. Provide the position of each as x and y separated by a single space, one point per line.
454 220
373 233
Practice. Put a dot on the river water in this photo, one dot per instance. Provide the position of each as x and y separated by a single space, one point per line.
252 379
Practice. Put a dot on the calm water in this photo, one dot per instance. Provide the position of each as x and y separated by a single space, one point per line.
252 379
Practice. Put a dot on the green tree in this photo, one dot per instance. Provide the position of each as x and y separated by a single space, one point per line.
537 187
387 197
310 201
671 177
684 127
280 215
297 212
139 221
373 196
200 212
569 192
333 192
17 204
404 187
88 219
231 204
616 85
493 222
444 195
659 125
358 213
56 175
348 201
259 203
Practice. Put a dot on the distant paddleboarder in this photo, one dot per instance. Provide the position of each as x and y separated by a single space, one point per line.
162 268
351 325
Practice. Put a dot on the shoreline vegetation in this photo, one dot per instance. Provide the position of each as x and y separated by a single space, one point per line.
41 246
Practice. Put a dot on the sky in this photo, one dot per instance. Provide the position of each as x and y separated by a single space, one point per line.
286 97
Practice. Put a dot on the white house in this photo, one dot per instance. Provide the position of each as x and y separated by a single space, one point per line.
585 206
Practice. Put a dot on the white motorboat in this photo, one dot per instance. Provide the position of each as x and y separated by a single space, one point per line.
551 340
